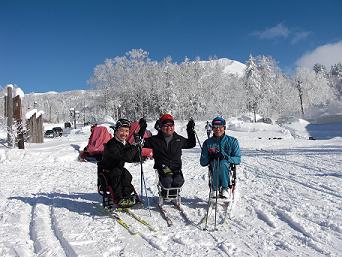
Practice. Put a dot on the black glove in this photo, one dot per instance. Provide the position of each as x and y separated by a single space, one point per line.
191 125
216 155
137 139
143 126
157 125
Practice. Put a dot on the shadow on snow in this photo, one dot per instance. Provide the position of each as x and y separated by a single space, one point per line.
83 203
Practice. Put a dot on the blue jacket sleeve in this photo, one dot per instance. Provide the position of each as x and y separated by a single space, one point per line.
235 156
204 160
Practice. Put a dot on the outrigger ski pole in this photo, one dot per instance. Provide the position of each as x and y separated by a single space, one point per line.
217 165
209 172
209 201
198 139
197 136
142 179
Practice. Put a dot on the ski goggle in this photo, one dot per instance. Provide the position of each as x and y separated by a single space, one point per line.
217 126
122 123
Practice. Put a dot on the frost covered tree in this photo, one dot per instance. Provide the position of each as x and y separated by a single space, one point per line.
268 91
123 81
336 79
212 82
270 79
105 80
252 85
313 89
189 89
164 91
320 69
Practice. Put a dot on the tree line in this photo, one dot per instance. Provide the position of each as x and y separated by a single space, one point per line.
134 86
139 86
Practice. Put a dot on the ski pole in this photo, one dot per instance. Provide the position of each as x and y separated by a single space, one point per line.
198 139
217 179
141 171
142 180
208 207
233 168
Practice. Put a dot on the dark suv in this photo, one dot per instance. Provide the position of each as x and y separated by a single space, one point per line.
58 131
49 133
67 125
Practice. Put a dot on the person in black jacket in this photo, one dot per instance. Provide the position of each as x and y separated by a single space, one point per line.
167 148
117 151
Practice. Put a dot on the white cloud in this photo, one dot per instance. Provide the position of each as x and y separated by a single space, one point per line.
269 33
282 31
299 36
327 55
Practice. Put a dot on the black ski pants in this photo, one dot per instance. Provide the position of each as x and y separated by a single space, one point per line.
121 182
175 179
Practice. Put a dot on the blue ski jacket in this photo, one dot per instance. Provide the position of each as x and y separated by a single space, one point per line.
227 145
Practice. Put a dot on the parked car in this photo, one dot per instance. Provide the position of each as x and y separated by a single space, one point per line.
67 125
49 133
58 131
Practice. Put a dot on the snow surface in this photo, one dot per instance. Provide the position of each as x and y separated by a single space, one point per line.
288 200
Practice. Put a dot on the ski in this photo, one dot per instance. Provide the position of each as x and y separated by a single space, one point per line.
205 217
165 215
182 212
151 239
118 219
227 208
129 212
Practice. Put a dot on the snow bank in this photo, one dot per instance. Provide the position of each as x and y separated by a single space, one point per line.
332 113
263 129
107 120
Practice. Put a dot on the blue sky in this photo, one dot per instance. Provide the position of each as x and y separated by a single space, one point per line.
54 45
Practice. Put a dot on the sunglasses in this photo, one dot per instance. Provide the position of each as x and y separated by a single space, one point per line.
170 125
217 126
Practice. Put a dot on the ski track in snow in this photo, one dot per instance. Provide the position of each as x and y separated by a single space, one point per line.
288 203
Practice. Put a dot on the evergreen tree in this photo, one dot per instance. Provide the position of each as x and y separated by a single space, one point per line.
252 84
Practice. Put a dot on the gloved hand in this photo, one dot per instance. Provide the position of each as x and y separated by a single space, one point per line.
143 126
216 156
166 170
191 125
137 139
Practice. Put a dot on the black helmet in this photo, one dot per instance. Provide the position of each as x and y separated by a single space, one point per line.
122 123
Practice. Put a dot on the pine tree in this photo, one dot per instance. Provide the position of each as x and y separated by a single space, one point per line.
252 84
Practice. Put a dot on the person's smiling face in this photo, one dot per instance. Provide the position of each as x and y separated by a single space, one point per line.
168 129
218 130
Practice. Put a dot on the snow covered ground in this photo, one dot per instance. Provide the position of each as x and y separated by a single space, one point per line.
288 200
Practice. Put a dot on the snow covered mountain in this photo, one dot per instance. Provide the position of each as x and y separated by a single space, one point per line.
228 66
